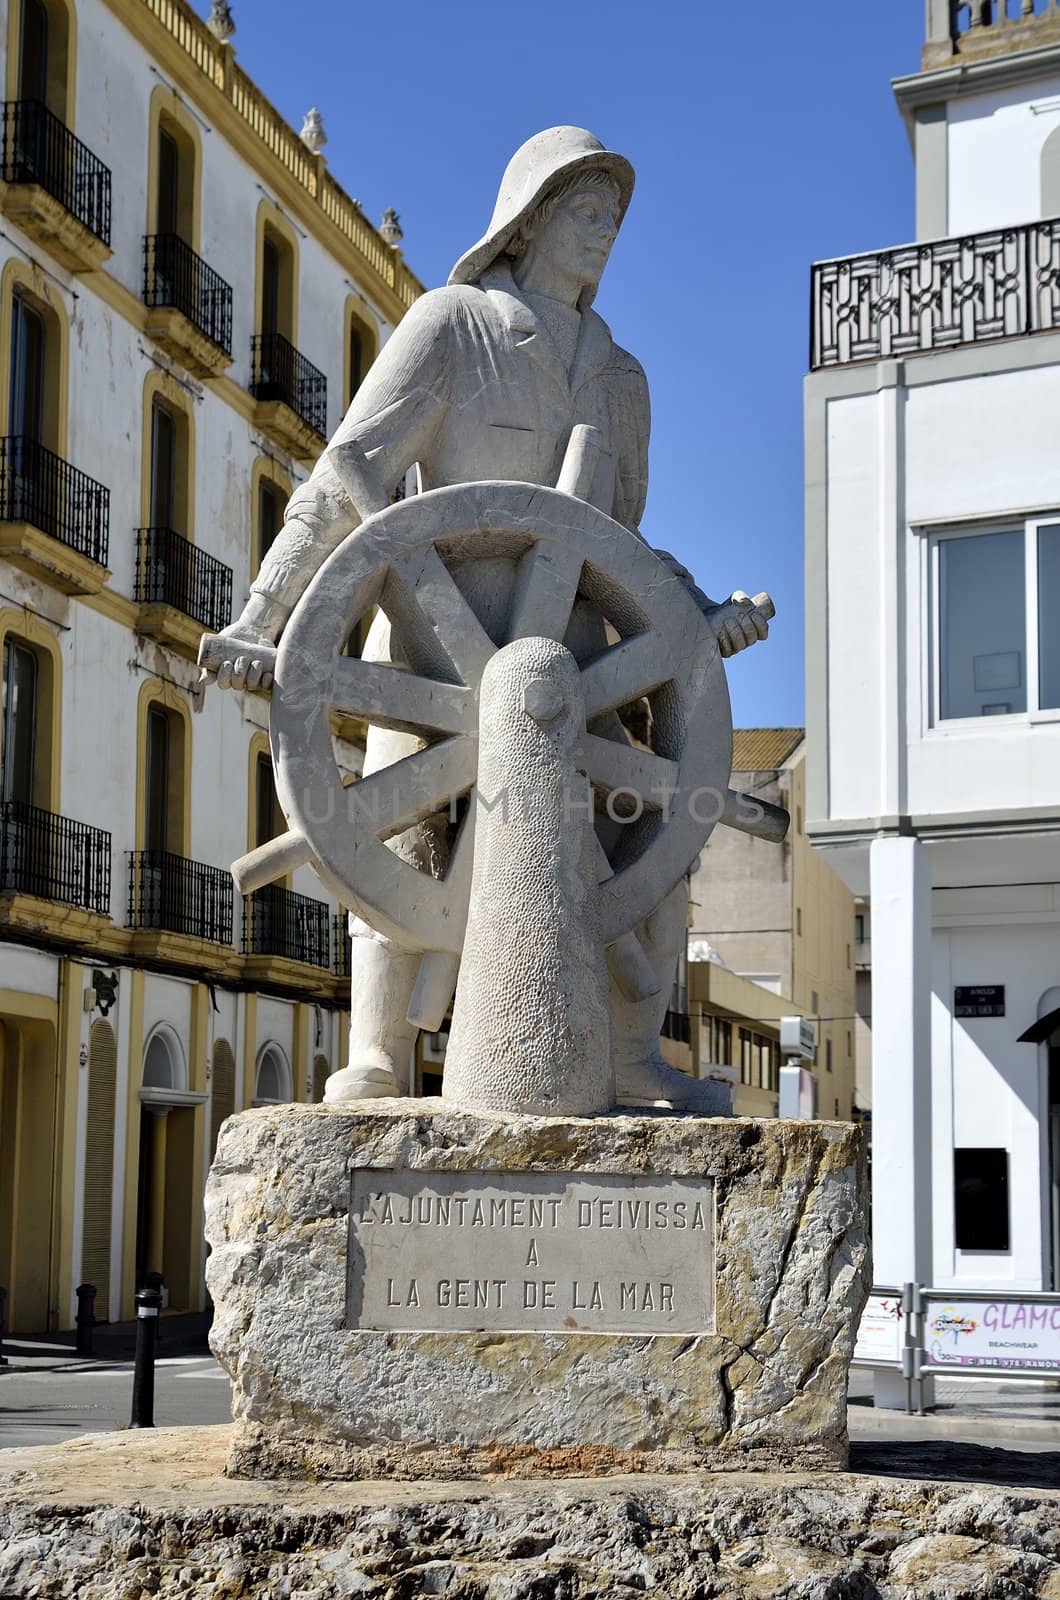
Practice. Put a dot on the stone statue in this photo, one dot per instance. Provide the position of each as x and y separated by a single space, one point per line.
523 430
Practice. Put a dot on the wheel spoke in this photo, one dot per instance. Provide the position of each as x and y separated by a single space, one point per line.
624 672
390 698
545 588
427 610
408 791
614 766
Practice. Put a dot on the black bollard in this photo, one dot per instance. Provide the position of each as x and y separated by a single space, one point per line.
148 1305
3 1325
86 1317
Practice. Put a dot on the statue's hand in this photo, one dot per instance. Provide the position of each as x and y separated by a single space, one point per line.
230 657
740 621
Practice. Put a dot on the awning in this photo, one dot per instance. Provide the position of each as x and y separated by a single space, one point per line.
1043 1029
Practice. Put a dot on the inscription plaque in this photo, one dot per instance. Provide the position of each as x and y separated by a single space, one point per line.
524 1252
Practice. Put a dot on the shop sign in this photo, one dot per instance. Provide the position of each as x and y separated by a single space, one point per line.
979 1000
979 1332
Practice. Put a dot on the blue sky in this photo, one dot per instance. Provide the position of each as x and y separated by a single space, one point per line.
764 136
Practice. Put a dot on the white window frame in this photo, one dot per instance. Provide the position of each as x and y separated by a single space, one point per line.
939 725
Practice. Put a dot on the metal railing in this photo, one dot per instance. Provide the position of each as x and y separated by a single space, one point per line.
53 858
171 893
171 571
175 276
280 372
39 487
38 148
340 945
278 922
936 295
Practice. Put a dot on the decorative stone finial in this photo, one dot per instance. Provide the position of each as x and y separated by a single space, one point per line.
312 134
220 21
391 228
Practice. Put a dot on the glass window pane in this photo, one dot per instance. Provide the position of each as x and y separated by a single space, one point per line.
168 183
27 370
269 820
20 721
270 517
33 67
163 460
1049 616
982 625
156 821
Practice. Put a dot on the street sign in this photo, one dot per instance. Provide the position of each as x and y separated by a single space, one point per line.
979 1000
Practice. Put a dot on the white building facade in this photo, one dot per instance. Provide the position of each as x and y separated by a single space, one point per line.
188 300
933 665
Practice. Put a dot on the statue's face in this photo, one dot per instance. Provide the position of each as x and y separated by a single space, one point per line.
577 238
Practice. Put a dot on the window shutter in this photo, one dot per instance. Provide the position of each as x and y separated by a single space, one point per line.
223 1094
99 1163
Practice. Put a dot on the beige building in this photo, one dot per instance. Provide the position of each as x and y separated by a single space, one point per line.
188 300
782 922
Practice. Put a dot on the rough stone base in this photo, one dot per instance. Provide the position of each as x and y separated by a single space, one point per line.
762 1385
132 1515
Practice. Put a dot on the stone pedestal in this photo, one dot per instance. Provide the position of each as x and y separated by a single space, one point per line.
405 1291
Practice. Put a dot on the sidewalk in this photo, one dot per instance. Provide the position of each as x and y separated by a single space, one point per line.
182 1333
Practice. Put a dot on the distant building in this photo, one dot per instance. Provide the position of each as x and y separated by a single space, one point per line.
781 920
187 301
933 655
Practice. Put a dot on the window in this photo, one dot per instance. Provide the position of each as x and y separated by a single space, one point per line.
26 403
271 505
156 816
163 466
746 1057
33 53
723 1039
828 1055
168 219
980 1199
859 929
19 749
277 284
268 818
798 919
997 645
360 349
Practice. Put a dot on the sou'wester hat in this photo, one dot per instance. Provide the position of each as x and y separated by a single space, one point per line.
537 166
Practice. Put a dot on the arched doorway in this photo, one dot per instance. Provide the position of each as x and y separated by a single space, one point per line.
166 1241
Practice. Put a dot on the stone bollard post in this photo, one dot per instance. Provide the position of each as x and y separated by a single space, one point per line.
531 1022
86 1317
148 1306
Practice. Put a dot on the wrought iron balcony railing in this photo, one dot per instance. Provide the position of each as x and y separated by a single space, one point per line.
172 894
53 858
171 571
175 276
40 149
936 295
278 922
39 487
340 945
280 372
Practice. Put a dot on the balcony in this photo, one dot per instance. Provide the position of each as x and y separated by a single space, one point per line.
170 894
189 306
181 591
54 520
292 927
978 30
291 395
45 857
54 187
937 295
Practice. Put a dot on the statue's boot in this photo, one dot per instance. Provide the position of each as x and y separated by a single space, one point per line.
381 1036
642 1076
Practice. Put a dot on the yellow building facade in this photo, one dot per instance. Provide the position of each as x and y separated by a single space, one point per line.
188 301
